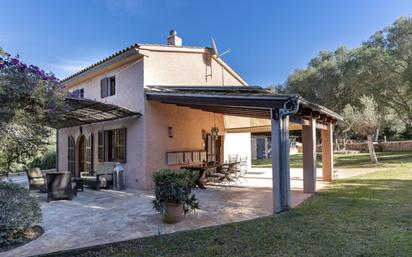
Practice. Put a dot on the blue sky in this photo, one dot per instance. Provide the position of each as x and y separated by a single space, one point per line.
269 39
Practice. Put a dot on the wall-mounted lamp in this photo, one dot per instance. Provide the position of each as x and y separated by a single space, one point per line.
81 130
170 132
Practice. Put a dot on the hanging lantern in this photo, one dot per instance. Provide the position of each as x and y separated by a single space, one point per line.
214 132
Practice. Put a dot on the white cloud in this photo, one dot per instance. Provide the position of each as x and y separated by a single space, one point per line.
67 67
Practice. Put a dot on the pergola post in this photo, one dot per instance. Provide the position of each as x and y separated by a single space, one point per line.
280 161
309 156
327 152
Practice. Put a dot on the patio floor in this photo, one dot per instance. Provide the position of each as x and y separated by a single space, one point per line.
98 217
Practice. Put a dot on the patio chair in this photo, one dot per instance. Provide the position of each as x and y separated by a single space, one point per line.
60 185
102 177
232 158
36 179
243 165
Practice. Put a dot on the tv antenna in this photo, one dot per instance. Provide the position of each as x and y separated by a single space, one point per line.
216 51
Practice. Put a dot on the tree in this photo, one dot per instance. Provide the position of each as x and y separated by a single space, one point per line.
364 121
29 98
384 68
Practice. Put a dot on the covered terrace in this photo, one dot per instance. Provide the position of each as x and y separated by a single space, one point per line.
283 111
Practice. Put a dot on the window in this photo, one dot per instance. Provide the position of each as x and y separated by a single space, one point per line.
112 145
78 93
108 87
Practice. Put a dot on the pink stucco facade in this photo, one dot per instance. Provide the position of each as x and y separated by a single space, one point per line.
147 136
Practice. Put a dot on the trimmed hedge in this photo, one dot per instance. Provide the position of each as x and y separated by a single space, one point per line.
19 211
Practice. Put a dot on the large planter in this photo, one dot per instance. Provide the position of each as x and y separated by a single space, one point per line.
174 213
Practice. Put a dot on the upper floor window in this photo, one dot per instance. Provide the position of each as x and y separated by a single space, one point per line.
108 86
78 93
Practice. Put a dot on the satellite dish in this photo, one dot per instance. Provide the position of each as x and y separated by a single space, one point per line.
216 51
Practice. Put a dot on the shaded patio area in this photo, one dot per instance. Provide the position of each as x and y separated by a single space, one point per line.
98 217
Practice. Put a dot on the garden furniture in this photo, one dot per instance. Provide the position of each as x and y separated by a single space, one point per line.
60 186
102 177
36 179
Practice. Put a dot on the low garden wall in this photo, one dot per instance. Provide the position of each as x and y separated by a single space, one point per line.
389 146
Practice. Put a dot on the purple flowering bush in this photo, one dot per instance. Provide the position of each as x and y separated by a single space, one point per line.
29 98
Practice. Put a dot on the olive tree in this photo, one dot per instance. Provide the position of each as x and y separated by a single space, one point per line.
364 121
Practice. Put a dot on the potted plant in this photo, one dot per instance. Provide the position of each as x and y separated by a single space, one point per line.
173 194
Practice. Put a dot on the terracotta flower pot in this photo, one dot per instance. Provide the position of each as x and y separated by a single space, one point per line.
174 213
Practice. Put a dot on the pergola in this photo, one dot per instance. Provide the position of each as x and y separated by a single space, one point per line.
81 111
256 102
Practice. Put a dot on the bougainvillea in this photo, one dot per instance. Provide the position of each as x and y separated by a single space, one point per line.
29 98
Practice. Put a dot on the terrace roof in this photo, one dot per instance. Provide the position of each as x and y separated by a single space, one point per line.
80 111
246 101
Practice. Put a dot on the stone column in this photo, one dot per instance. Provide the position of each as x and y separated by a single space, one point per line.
309 156
327 152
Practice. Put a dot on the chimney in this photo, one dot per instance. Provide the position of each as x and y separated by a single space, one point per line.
173 39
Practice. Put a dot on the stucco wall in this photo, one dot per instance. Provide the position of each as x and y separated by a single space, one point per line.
170 68
129 86
187 127
129 94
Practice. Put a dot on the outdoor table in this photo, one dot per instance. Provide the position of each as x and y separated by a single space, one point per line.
201 170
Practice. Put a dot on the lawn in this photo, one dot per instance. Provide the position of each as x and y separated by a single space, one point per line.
368 215
360 160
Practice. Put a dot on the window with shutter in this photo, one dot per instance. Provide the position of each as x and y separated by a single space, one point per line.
112 145
89 154
112 85
100 143
103 87
121 145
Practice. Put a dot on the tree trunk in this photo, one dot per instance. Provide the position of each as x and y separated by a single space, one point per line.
371 148
377 134
337 146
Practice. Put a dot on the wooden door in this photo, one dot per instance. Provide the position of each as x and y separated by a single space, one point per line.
71 155
82 155
213 148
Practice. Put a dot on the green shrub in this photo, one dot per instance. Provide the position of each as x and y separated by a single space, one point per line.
47 161
174 186
18 211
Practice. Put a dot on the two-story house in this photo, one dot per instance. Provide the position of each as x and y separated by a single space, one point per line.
140 142
151 106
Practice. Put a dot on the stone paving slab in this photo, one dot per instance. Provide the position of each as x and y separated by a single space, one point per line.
98 217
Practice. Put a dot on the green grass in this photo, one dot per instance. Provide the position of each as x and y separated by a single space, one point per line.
368 215
360 160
